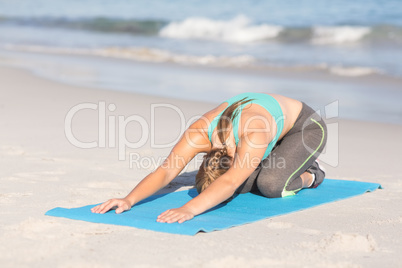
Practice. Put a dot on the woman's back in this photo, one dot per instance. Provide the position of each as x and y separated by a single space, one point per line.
268 112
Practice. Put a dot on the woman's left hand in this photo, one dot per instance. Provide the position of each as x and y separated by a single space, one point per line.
179 215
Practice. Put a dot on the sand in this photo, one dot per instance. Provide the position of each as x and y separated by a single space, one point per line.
40 169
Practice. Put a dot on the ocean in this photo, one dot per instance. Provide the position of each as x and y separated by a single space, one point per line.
341 38
345 37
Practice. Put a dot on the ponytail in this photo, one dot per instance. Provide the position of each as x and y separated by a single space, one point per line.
227 118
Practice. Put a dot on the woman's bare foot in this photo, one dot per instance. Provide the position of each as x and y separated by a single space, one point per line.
307 179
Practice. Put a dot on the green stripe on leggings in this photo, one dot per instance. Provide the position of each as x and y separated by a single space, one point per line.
289 193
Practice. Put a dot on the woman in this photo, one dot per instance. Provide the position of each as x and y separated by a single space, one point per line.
263 143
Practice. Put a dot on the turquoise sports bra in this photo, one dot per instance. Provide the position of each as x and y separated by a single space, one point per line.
264 100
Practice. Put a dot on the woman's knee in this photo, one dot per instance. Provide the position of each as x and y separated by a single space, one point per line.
269 187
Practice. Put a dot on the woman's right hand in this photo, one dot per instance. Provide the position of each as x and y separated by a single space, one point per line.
120 204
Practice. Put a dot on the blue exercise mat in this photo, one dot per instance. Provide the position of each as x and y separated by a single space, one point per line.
245 208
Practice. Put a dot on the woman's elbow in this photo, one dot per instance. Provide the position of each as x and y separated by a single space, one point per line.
231 185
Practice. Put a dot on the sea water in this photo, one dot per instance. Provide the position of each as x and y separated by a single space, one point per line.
346 37
343 38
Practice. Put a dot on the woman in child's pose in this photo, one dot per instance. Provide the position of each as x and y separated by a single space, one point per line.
263 143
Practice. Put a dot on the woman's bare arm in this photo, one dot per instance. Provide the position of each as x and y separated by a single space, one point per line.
247 159
191 143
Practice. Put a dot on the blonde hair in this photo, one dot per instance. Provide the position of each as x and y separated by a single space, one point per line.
217 161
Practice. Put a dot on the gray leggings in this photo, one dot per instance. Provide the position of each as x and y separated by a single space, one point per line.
278 175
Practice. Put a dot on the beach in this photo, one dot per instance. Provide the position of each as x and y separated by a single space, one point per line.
95 94
41 169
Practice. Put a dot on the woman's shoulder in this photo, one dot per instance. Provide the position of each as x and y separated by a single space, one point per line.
209 116
202 124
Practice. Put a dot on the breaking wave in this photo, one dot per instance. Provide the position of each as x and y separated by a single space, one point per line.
242 30
239 29
339 35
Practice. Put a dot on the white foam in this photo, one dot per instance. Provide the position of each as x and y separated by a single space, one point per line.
338 35
157 55
141 54
238 30
352 71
